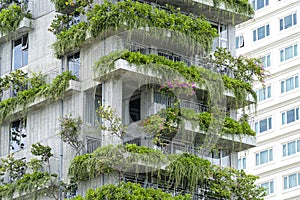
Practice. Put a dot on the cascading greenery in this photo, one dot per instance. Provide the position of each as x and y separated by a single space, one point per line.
239 6
159 124
183 170
128 191
131 15
11 14
240 86
27 89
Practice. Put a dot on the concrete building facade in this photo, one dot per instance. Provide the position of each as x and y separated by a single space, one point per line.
131 93
273 36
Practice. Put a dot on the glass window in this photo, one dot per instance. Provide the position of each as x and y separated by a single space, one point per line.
264 157
261 32
290 116
242 163
239 42
264 93
263 125
288 53
17 135
288 21
74 63
291 148
258 4
289 84
291 180
266 61
20 52
269 186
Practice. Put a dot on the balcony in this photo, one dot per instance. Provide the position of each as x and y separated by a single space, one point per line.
220 13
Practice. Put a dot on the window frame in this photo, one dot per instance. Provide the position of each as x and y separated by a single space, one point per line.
254 4
264 93
23 54
284 116
256 32
282 52
271 187
285 148
258 157
73 57
239 41
19 134
257 127
283 84
266 61
286 181
282 22
242 163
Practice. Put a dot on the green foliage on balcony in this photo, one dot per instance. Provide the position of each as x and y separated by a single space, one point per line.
133 14
66 6
221 182
70 39
11 15
28 89
128 191
128 15
239 6
241 85
161 123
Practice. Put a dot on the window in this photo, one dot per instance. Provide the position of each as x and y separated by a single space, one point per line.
263 125
266 61
288 53
239 42
258 4
17 135
20 52
264 93
264 157
291 148
290 116
261 32
223 36
288 21
242 163
74 64
289 84
269 186
291 180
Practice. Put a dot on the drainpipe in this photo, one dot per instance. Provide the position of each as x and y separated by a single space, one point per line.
102 131
61 142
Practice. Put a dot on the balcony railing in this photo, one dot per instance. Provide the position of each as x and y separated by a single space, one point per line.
197 107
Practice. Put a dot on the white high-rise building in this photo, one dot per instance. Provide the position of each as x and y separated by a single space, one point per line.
273 35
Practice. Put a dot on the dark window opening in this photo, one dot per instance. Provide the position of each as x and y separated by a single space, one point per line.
135 108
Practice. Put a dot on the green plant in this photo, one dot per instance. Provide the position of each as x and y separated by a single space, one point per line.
134 14
110 121
64 6
70 132
198 75
182 171
34 183
11 16
129 191
70 39
30 88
